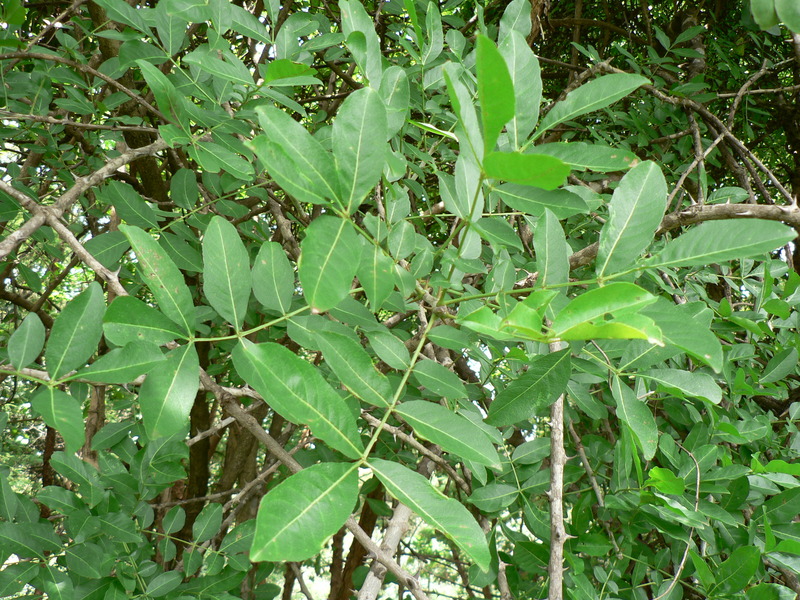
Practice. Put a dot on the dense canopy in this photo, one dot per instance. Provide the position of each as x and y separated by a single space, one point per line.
399 299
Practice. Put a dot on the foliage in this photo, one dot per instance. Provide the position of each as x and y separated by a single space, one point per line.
282 281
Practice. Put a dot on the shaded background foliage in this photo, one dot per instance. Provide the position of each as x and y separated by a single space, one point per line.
158 164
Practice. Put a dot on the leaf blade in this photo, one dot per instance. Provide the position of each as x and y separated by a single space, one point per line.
226 271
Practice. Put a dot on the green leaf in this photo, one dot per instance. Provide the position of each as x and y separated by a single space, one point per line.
298 515
61 412
26 342
443 513
454 433
552 251
498 232
770 591
123 365
582 156
130 320
214 157
390 349
615 299
395 93
130 206
689 383
721 241
527 80
702 570
76 331
226 271
230 70
764 13
273 278
734 574
698 340
495 91
789 13
591 96
353 366
534 201
167 395
637 415
163 584
331 253
183 188
367 52
8 499
376 275
780 365
438 379
163 278
295 159
539 170
171 29
537 388
174 519
494 497
296 390
665 481
107 248
208 523
435 42
359 145
635 213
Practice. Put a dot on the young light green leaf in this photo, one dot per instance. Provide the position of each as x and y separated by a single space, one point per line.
552 251
359 145
534 201
63 413
454 433
616 299
581 156
495 91
353 366
273 278
537 388
298 515
76 331
689 383
620 327
443 513
162 277
523 67
123 365
539 170
129 320
635 211
637 415
296 390
720 241
734 574
591 96
226 271
26 342
780 365
438 379
167 394
331 253
295 159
